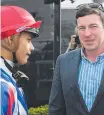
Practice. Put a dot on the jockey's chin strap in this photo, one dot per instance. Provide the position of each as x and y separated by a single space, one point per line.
14 57
19 76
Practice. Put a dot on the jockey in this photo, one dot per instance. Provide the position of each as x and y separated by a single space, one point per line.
18 27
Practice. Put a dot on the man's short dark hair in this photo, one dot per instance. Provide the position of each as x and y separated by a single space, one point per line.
92 8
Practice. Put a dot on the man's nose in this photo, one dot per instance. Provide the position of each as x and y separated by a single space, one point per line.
32 47
87 32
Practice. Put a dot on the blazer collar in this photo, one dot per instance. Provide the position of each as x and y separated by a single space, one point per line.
75 72
100 92
76 57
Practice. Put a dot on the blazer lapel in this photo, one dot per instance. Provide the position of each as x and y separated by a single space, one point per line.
81 99
75 72
100 92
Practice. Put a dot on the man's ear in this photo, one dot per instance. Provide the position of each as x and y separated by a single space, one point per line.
6 44
10 43
10 40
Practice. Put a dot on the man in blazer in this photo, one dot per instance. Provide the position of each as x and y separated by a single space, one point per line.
78 82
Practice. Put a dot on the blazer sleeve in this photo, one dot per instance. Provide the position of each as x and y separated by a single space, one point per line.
56 100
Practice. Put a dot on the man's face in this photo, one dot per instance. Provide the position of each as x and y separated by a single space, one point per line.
91 32
24 48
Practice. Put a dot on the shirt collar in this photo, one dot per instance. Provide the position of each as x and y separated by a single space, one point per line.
10 62
99 58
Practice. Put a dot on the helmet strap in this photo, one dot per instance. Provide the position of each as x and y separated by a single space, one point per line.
14 57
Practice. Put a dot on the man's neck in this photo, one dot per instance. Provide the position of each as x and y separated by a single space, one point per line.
92 55
6 54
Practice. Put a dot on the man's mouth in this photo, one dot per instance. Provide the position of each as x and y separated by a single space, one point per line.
89 41
28 54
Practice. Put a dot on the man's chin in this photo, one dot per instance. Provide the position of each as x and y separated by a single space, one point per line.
23 62
91 49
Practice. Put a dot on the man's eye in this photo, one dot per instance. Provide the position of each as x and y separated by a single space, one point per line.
29 40
81 28
93 26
